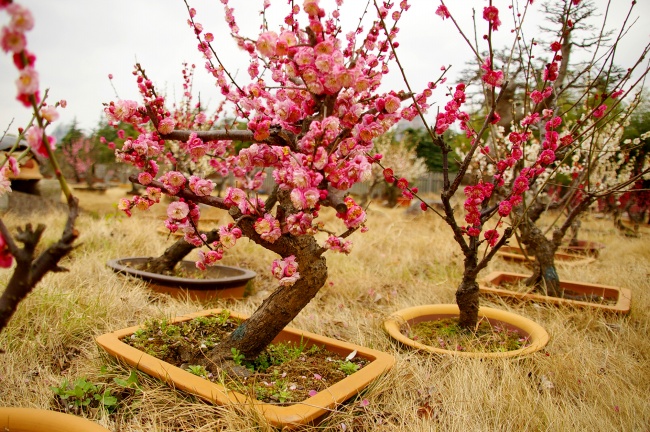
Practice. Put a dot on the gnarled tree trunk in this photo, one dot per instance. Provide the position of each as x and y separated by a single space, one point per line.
544 275
467 299
280 308
165 263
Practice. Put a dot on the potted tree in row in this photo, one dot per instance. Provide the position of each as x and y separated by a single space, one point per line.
312 109
170 272
512 154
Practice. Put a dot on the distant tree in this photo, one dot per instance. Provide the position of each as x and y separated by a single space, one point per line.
77 154
400 155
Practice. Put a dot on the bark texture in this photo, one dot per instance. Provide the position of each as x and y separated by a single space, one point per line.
467 299
280 308
286 302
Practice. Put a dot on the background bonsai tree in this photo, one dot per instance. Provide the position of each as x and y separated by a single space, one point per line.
31 265
178 157
78 154
312 109
399 153
533 144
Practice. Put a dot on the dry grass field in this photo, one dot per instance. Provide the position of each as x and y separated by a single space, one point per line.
594 375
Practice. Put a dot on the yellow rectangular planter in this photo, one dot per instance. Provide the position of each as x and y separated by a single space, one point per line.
621 296
290 416
514 253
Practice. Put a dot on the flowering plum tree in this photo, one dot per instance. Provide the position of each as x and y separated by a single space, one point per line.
30 267
312 108
589 149
77 151
514 162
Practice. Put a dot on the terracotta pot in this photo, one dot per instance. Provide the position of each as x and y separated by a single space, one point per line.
584 247
514 253
289 416
40 420
621 297
215 282
538 337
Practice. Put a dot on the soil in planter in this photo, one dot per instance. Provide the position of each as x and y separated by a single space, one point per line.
568 294
447 334
284 373
181 271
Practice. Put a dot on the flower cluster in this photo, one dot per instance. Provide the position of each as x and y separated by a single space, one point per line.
285 270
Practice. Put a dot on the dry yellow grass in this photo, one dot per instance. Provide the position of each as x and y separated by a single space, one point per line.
594 374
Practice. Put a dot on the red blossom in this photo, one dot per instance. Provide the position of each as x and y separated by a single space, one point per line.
443 12
491 15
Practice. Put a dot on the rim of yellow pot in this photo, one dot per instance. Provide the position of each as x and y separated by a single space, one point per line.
538 336
38 420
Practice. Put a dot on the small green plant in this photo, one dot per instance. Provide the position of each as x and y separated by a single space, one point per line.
198 370
237 357
131 382
223 317
83 394
282 393
348 368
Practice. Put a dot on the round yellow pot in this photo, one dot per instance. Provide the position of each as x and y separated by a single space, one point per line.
39 420
538 337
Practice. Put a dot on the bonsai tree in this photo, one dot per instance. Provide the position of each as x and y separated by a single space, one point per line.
312 109
590 151
530 146
77 151
601 165
31 265
177 157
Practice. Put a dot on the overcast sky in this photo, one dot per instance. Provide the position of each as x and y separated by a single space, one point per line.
78 43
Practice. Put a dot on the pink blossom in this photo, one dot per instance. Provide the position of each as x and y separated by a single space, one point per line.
617 94
154 194
493 78
145 178
27 81
491 15
21 18
208 258
530 119
338 244
551 72
12 40
268 228
354 216
227 236
200 186
443 12
391 104
520 185
5 183
547 157
266 43
286 270
34 137
492 236
178 210
166 126
600 111
505 207
49 113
